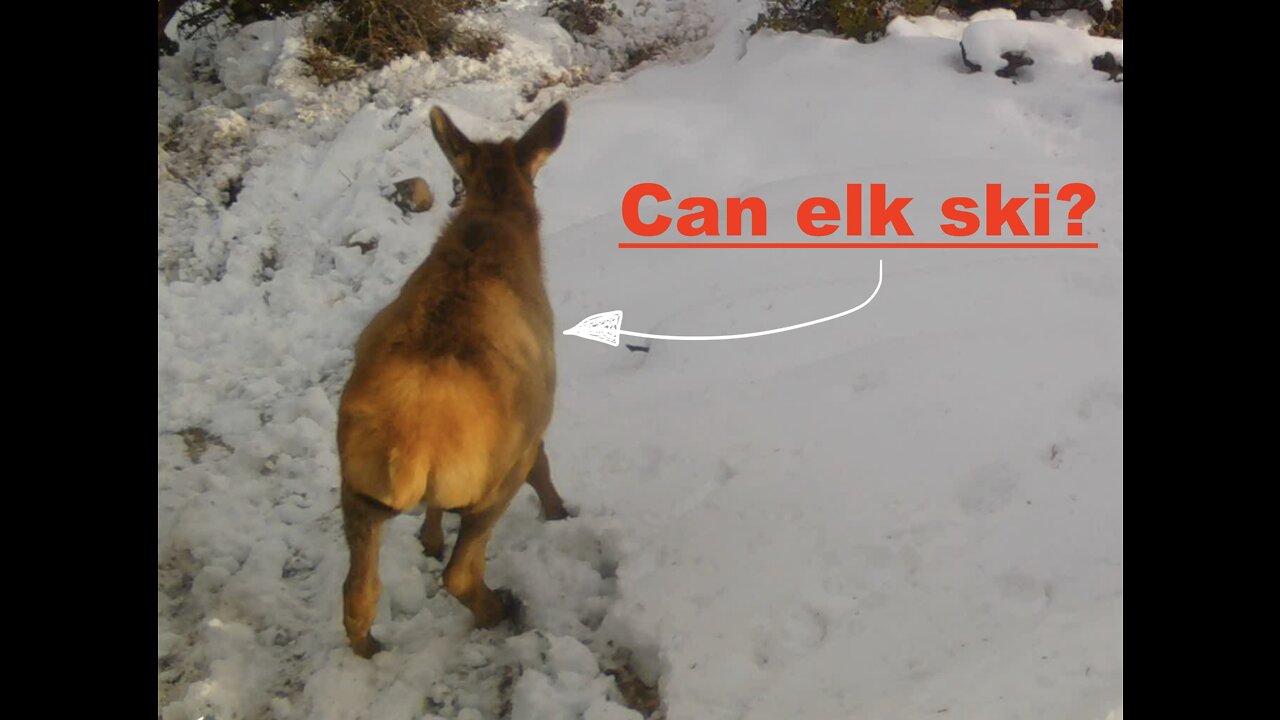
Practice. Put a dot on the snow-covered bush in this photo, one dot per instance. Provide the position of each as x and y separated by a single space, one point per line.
863 20
582 16
347 37
866 20
1003 46
213 16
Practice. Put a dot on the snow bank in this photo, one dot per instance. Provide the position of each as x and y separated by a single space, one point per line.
1051 45
1054 43
943 24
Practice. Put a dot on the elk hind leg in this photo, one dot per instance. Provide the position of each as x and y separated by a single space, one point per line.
540 478
362 520
464 575
432 533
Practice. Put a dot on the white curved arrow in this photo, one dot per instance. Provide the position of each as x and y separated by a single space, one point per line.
605 327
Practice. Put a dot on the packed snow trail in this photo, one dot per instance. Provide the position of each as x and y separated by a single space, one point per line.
606 327
917 513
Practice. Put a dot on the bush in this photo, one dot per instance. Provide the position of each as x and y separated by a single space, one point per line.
195 18
862 20
581 17
372 33
1112 22
796 16
348 37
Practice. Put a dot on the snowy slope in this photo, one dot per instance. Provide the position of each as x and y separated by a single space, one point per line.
914 511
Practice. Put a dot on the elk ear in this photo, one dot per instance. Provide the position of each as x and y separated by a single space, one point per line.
457 148
543 138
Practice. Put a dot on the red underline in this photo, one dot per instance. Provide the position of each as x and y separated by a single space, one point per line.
865 245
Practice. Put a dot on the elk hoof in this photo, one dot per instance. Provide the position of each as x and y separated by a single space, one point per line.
512 607
559 513
366 647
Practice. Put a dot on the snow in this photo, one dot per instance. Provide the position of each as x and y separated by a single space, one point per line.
1049 44
1058 43
913 509
943 25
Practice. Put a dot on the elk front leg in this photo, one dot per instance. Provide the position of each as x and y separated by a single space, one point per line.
362 520
432 533
540 479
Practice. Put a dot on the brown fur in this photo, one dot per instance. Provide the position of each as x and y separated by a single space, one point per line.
453 382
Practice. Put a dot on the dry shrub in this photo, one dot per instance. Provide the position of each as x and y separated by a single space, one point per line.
351 36
474 44
329 67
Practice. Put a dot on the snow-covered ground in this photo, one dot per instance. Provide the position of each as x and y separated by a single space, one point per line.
911 512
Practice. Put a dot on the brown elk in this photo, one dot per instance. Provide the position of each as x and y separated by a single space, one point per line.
453 382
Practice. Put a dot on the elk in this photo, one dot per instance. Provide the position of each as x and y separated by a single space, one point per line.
453 382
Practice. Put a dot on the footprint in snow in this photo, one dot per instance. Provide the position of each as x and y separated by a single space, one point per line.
988 489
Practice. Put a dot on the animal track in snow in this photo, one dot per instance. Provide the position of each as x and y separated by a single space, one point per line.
989 489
